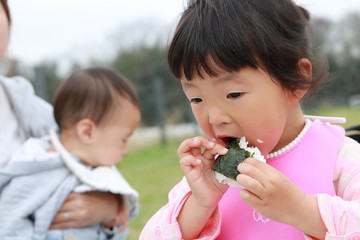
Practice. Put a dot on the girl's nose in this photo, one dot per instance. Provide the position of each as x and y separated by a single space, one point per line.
218 116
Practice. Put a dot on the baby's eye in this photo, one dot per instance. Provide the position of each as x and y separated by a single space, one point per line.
234 95
196 100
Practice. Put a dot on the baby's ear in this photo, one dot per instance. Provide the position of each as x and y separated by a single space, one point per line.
85 130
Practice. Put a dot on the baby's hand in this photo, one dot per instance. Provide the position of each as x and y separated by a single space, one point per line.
196 159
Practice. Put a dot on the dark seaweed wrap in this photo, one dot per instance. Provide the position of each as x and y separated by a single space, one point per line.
227 164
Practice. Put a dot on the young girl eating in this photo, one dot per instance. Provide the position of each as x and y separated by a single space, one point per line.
245 65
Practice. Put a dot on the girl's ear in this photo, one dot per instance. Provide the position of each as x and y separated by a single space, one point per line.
305 68
85 130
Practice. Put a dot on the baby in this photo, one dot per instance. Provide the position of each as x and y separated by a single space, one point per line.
96 111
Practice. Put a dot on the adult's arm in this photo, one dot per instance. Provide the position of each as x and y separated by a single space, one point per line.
86 209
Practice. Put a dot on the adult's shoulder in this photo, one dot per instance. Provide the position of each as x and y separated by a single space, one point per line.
34 114
16 85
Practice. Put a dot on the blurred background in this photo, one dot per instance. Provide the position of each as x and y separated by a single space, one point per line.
50 39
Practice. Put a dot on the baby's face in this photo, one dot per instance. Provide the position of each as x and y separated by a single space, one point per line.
112 136
244 103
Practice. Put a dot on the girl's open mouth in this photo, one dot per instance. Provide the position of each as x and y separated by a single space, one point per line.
223 140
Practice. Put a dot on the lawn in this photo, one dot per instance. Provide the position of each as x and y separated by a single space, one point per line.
352 115
153 170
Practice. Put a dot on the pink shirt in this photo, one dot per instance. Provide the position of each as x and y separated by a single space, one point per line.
340 213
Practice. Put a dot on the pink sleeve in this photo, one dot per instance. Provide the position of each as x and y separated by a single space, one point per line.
164 225
341 214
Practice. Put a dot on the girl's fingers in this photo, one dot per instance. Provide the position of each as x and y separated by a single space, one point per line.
250 198
263 167
252 176
200 146
216 150
211 148
189 146
250 167
188 163
250 184
265 170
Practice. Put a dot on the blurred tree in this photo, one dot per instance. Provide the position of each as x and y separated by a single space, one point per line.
139 53
340 43
143 64
47 75
348 33
350 74
321 29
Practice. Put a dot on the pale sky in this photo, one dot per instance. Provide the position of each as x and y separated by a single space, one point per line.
58 29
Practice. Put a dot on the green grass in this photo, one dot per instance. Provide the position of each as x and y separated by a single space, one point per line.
153 170
352 115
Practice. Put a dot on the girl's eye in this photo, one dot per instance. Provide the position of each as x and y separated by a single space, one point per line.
196 100
234 95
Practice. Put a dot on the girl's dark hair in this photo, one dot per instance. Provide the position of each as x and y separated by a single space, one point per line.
6 9
234 34
90 93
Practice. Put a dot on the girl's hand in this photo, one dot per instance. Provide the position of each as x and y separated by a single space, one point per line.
196 159
275 196
86 209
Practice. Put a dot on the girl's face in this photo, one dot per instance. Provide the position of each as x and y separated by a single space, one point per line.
4 32
111 137
244 103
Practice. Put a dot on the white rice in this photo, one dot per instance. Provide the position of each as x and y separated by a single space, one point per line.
222 179
253 151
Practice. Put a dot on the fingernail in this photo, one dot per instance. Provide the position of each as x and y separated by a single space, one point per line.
211 144
196 140
224 151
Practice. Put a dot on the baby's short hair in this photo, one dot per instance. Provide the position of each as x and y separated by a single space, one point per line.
229 35
91 93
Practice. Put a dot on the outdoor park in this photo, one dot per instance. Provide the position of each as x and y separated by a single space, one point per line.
152 164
